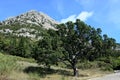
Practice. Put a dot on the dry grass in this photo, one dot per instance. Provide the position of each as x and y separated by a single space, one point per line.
18 76
83 75
57 73
4 77
26 70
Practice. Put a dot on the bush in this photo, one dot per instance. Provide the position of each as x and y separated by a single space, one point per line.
105 66
109 63
88 65
116 63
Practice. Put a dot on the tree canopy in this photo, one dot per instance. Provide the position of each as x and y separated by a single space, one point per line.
72 43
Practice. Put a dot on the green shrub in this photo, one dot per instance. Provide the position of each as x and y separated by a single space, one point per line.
88 65
116 63
103 63
105 66
109 63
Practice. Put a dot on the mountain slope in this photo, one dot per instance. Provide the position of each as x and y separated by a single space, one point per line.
33 17
29 24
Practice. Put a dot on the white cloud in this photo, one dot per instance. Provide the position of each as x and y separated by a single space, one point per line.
82 16
70 18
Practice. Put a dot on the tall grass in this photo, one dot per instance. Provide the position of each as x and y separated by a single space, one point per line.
7 65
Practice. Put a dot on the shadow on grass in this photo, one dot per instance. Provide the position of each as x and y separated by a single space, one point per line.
42 72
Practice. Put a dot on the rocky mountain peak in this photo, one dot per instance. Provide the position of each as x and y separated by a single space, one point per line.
31 24
33 17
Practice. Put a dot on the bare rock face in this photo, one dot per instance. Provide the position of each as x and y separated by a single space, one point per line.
33 17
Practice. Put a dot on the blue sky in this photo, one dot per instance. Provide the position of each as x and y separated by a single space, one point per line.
97 13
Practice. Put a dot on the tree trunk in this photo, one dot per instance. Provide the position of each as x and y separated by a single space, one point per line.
74 70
